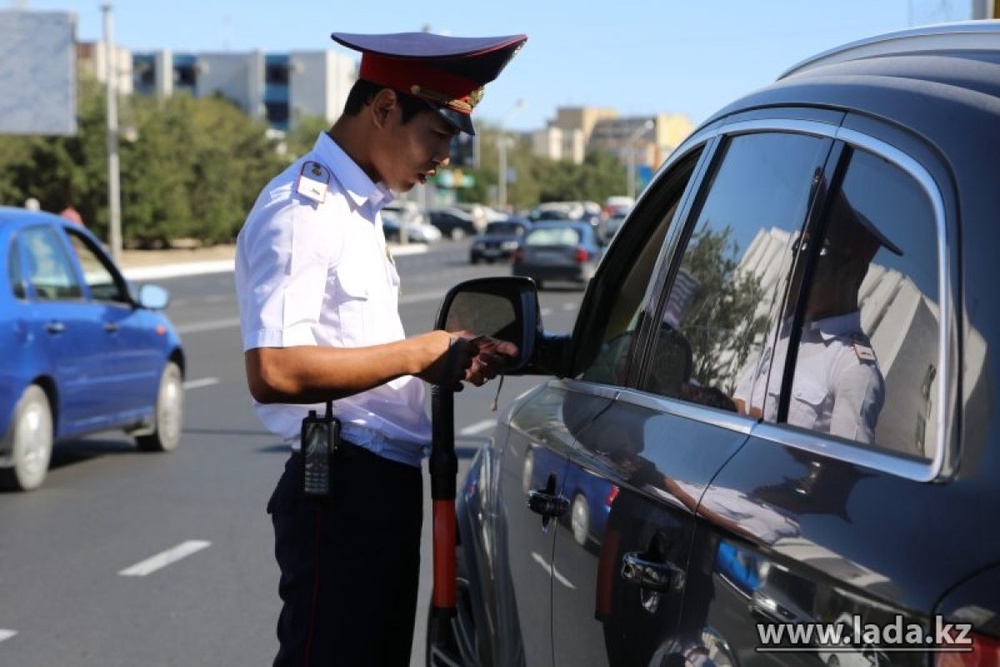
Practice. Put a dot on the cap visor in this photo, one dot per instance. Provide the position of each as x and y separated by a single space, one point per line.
460 120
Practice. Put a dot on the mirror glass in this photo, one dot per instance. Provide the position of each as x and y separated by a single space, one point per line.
483 313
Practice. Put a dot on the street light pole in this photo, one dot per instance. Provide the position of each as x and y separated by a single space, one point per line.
641 130
114 170
502 156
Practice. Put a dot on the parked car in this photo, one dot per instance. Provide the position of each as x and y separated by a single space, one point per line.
454 223
404 220
498 241
84 351
613 223
565 251
783 365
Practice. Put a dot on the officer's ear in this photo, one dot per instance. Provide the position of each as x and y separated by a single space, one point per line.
382 105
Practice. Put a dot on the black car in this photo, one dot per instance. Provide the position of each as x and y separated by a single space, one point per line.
454 223
558 250
498 241
782 370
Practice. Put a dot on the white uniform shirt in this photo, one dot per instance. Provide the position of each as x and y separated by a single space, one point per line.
314 272
838 387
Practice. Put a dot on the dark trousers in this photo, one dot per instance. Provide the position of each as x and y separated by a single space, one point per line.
350 564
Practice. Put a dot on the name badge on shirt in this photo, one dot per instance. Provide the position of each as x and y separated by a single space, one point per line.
864 352
314 182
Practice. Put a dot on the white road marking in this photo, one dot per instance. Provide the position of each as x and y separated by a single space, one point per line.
478 427
6 634
204 382
208 326
164 558
570 306
554 572
546 312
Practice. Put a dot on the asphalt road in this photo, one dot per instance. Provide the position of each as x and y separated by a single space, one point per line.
124 558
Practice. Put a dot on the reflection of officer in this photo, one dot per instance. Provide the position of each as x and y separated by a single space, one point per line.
838 387
318 296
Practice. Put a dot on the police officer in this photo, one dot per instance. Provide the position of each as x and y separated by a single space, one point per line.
838 387
318 296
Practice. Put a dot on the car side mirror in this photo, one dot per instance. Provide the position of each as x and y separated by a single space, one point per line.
152 297
501 307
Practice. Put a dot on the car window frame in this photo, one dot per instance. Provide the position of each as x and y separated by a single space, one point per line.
124 288
712 138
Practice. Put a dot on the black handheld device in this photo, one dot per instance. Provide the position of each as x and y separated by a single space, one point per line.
320 436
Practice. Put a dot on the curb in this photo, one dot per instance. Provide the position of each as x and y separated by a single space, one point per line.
179 269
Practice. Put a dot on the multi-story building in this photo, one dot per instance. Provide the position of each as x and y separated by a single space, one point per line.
277 87
643 141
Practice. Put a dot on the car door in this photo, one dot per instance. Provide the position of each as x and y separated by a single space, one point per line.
672 425
131 341
71 333
537 439
826 526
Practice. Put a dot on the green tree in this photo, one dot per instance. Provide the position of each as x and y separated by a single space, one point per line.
721 323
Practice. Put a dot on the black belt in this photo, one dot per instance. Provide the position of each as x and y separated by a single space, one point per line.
346 450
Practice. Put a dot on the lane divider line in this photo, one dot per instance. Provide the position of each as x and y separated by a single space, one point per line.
164 558
6 634
203 382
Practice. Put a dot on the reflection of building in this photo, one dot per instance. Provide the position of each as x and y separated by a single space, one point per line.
903 325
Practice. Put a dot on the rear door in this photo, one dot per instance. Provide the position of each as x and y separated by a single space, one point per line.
827 521
673 423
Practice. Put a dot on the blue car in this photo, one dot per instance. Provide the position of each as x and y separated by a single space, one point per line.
83 349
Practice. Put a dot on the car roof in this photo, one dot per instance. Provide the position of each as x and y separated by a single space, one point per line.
911 78
15 216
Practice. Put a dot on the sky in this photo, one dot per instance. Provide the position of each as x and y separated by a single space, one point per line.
639 57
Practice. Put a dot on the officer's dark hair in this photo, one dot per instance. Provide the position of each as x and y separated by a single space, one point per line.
362 92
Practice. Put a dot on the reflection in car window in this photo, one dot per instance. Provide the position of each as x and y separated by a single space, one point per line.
95 272
48 267
610 365
728 290
868 350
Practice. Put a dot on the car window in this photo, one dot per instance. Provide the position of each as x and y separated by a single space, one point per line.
728 290
610 365
96 272
867 361
49 269
553 236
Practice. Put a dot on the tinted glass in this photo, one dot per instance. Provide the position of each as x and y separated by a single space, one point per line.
611 363
49 269
734 272
867 361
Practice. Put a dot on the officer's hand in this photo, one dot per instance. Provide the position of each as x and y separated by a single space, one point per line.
451 356
493 356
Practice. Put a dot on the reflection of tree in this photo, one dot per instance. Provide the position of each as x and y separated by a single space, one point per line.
721 323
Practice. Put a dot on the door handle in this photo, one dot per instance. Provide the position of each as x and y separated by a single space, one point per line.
111 327
55 327
549 505
650 575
